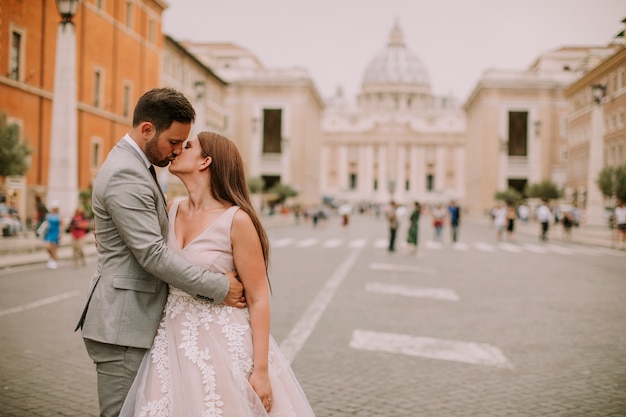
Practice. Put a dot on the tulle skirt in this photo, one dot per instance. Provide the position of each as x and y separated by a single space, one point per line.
199 365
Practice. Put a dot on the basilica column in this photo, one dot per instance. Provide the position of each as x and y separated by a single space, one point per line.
343 168
440 169
324 172
383 191
401 171
414 171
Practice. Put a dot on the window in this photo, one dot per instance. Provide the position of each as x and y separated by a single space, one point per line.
518 133
15 56
375 185
151 31
96 153
353 181
272 130
126 100
129 14
407 185
99 4
430 182
97 88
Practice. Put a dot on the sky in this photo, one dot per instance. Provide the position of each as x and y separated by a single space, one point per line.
456 40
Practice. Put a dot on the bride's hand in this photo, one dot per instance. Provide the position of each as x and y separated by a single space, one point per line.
260 382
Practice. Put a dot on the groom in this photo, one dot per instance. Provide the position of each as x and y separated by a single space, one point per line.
128 291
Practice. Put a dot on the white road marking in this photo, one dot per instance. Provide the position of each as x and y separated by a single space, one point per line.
358 243
427 347
560 249
431 244
375 266
39 303
510 247
305 243
411 291
485 247
304 327
460 246
381 243
282 242
332 243
535 248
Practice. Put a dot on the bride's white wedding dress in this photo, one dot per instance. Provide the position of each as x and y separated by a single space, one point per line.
201 358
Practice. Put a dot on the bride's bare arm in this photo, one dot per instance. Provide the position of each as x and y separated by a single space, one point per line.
250 266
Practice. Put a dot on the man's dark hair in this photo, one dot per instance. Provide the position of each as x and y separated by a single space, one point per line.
162 107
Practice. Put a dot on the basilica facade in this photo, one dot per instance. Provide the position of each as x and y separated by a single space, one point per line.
397 141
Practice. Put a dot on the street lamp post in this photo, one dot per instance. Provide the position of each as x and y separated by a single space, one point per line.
63 160
594 210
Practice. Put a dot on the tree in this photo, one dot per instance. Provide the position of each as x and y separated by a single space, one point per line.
13 152
256 185
510 196
545 190
283 192
612 182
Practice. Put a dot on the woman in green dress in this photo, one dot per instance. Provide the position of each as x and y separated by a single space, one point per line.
413 229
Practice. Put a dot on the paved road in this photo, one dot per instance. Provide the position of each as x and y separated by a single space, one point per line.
481 328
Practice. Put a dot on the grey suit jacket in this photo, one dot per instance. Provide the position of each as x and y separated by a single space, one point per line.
129 288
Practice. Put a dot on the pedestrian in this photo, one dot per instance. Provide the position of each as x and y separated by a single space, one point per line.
232 366
511 216
523 212
568 223
392 221
412 239
499 219
78 229
41 210
129 288
544 215
52 234
439 215
455 217
620 224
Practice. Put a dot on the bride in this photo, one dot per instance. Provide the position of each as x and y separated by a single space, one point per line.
215 360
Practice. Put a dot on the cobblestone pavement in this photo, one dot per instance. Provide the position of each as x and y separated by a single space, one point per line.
557 318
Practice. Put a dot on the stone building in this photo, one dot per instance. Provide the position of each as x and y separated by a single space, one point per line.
597 131
399 141
117 53
274 116
517 124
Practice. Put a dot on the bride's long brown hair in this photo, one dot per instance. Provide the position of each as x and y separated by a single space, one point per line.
228 181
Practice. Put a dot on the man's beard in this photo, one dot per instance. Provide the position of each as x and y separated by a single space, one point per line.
152 153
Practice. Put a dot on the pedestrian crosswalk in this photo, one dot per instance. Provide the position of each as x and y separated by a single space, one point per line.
430 245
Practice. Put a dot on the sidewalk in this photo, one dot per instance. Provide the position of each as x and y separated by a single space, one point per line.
29 250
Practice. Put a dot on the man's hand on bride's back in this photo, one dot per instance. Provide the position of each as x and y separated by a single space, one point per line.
235 296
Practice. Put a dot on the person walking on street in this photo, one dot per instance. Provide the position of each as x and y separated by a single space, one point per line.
78 228
41 210
392 220
455 219
620 224
412 239
499 219
129 288
52 235
544 215
511 216
439 215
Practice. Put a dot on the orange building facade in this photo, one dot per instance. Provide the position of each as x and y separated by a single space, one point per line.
118 47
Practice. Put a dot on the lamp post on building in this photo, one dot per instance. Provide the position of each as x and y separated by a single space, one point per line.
63 160
594 210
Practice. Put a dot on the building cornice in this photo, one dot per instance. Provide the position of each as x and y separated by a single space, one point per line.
596 72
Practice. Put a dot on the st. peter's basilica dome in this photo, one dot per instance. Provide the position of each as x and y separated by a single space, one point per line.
396 65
